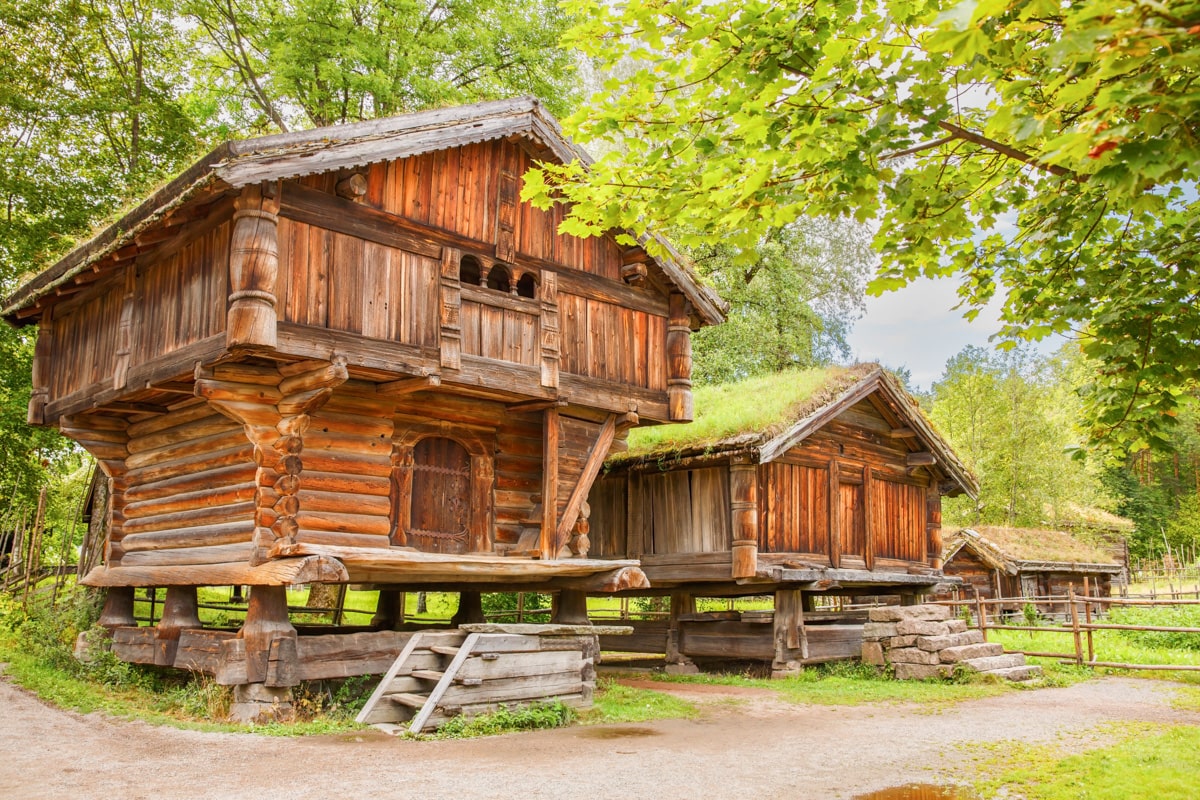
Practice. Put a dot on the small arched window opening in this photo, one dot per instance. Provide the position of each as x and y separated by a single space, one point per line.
527 285
499 279
470 271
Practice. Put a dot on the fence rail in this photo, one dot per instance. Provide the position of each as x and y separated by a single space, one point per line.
1081 627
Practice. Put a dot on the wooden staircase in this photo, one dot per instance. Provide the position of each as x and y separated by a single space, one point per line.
443 674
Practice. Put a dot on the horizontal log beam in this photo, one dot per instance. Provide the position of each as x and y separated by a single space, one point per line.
279 572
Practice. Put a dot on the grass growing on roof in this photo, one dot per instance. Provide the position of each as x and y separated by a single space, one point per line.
762 404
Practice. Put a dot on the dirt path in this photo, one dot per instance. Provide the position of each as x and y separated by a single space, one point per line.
745 746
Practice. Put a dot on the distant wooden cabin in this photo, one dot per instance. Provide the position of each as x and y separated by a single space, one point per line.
805 483
1021 563
354 355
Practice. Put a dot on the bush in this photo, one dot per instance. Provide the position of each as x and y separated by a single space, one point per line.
1169 616
529 718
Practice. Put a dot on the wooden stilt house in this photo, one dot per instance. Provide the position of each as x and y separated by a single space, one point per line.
354 355
800 484
999 562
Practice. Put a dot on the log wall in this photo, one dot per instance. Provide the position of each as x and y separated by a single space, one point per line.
190 491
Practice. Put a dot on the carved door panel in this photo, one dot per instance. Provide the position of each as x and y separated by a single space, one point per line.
440 518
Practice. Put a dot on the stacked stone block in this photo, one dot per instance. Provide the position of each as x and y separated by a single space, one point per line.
922 642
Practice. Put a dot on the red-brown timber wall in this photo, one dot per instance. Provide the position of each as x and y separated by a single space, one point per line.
177 301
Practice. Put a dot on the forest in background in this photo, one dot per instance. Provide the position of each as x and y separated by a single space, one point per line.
101 100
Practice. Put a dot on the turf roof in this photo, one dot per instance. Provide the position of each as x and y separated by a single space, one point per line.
748 411
1032 544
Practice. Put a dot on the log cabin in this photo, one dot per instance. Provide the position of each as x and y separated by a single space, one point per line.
999 562
353 354
818 482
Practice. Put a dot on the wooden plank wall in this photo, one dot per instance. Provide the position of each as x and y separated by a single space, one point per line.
793 509
178 301
609 514
331 280
504 329
191 490
611 342
518 474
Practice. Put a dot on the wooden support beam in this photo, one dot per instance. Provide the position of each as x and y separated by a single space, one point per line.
870 529
791 642
902 433
180 611
529 406
591 469
118 608
570 608
405 386
266 621
470 609
921 459
835 514
550 435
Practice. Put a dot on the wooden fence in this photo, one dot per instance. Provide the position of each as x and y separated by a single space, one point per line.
1083 616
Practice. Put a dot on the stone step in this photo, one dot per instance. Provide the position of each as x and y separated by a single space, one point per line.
1024 672
968 651
934 643
991 663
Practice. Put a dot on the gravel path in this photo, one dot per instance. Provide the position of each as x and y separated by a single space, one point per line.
744 745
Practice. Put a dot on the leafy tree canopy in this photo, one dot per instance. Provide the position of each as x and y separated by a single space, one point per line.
1042 149
791 306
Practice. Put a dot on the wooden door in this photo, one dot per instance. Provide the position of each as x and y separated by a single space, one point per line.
440 518
853 518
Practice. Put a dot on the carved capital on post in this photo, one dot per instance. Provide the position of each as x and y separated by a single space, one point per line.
253 268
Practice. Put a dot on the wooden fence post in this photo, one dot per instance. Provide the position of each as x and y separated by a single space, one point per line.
1075 625
1087 617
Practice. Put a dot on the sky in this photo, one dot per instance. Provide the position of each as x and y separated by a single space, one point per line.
917 327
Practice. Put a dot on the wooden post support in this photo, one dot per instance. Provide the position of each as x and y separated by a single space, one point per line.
791 640
835 514
266 620
677 662
743 523
253 267
679 361
583 485
387 610
550 433
42 353
118 608
179 613
570 608
470 609
933 526
869 527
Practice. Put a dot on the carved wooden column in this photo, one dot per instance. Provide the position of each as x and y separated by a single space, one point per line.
743 520
41 371
253 268
179 613
580 542
933 526
451 308
549 327
679 360
483 477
